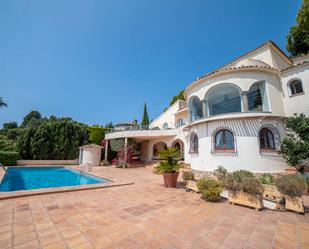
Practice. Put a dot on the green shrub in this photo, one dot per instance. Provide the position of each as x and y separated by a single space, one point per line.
105 163
267 179
122 165
220 173
292 185
252 186
243 180
295 146
210 188
188 175
170 163
96 134
8 158
241 174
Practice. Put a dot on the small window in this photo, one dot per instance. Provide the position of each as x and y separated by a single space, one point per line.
165 126
180 122
195 109
267 141
255 101
224 141
296 87
193 143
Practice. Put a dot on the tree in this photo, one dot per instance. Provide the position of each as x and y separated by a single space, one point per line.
10 130
32 119
180 96
6 144
10 125
298 38
109 125
145 120
58 138
2 104
96 134
24 143
295 147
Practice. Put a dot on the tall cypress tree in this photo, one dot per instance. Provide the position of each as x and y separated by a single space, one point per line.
145 120
298 38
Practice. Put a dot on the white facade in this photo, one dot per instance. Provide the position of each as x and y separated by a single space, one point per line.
234 116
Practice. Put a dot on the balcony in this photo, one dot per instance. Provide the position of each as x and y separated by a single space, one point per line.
142 132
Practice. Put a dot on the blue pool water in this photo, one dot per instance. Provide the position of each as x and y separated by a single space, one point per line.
25 178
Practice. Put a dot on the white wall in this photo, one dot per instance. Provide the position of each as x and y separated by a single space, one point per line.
247 154
245 79
297 103
267 55
91 155
168 116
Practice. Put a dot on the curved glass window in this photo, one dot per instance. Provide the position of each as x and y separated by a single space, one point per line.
224 141
223 99
180 122
296 87
257 98
195 108
267 141
165 126
193 143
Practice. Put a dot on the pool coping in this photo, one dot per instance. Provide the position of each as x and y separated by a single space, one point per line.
43 191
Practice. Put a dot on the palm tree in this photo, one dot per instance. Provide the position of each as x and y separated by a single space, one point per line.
3 104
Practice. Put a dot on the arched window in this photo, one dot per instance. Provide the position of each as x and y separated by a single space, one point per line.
180 122
157 148
296 87
179 145
165 126
255 102
222 99
224 141
195 108
267 141
193 143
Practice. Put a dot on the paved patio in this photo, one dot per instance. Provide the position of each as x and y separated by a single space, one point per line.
143 215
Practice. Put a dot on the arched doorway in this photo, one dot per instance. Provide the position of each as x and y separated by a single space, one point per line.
179 145
156 148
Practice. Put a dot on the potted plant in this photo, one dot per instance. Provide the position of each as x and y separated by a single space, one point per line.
244 189
210 188
188 177
169 167
293 187
271 192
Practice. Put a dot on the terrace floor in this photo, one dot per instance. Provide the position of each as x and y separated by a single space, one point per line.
143 215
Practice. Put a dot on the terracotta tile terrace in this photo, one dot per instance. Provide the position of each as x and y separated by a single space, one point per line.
142 215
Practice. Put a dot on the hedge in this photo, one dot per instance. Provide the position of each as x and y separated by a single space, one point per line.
8 158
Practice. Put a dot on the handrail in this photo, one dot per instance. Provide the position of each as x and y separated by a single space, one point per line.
83 168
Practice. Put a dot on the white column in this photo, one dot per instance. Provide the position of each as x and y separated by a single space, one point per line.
245 105
106 150
125 149
80 159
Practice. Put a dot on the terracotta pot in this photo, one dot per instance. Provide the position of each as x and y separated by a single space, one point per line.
249 200
170 179
294 203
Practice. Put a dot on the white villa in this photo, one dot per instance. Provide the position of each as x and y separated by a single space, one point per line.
234 116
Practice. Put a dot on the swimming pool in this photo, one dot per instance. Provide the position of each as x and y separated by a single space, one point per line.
26 178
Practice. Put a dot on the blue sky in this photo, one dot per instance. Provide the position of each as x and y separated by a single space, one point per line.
100 60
